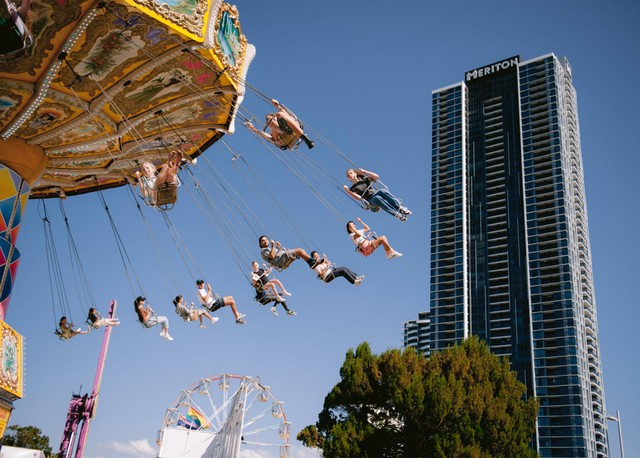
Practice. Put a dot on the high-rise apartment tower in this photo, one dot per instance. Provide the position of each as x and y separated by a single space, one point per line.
510 251
417 334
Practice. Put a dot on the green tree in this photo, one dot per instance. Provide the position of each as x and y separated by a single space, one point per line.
461 402
27 437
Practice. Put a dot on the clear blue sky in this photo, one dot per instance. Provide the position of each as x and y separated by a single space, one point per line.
362 74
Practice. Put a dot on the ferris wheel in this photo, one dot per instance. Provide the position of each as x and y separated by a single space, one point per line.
219 416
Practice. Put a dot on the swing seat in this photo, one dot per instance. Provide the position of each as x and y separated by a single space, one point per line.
188 318
366 206
153 316
15 37
288 140
264 298
90 324
60 335
369 237
165 197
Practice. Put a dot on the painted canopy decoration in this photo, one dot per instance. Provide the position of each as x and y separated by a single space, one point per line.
108 85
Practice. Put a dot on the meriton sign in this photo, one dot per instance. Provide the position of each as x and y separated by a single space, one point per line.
493 68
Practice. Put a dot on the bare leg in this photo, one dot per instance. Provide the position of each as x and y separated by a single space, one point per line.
382 240
295 126
206 314
277 282
230 301
271 287
169 171
301 253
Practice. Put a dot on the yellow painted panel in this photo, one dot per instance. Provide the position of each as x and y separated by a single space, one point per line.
11 364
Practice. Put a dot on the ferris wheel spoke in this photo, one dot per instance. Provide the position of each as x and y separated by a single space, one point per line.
258 431
263 444
254 419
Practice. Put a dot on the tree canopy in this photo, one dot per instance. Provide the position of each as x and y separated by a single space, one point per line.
461 402
27 437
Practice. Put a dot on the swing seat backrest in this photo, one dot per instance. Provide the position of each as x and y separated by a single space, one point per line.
165 197
153 316
186 319
290 141
264 298
90 324
332 267
366 206
369 237
61 335
375 186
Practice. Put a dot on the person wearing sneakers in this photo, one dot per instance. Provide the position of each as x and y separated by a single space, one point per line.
327 271
190 314
284 129
366 244
362 189
213 302
148 318
260 280
280 257
265 299
149 180
67 330
97 320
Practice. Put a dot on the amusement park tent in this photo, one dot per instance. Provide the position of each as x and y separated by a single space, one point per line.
18 452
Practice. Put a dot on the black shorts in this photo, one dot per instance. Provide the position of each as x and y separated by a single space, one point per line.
217 304
284 126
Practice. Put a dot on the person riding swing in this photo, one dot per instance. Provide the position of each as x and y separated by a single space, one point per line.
148 318
95 320
66 330
191 313
362 189
285 130
160 190
280 257
266 291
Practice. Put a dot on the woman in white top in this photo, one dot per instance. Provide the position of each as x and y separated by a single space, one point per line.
191 314
97 320
149 181
260 280
366 244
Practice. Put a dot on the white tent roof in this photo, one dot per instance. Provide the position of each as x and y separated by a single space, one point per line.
17 452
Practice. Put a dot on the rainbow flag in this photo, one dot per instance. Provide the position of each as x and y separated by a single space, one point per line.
197 418
182 421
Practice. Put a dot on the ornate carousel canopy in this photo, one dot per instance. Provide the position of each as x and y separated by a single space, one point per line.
109 85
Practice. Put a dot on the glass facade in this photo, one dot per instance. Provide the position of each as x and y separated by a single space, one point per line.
417 334
449 301
510 251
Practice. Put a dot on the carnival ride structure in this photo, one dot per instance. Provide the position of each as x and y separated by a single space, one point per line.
82 408
217 415
100 88
107 85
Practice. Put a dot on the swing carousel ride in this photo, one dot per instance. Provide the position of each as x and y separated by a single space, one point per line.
101 88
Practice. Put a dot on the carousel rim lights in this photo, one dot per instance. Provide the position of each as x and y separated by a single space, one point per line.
83 147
